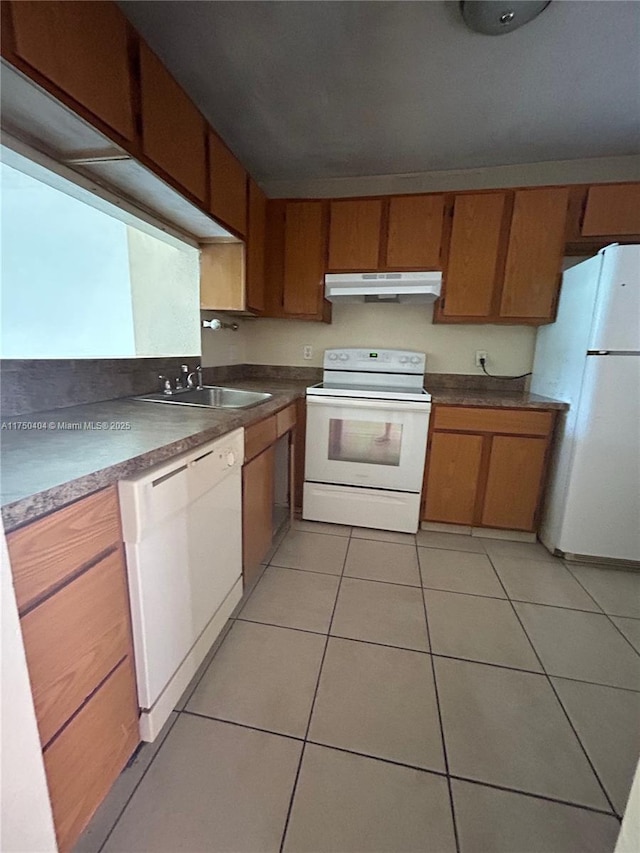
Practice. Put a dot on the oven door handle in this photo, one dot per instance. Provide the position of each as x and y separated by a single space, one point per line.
377 405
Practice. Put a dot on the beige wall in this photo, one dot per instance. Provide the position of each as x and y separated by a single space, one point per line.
222 346
450 349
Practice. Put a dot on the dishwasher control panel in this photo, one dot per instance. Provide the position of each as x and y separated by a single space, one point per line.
158 492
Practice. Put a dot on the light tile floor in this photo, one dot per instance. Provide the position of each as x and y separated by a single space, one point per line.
391 693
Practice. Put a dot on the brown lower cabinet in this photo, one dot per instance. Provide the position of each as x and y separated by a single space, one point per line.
257 512
486 467
70 579
259 486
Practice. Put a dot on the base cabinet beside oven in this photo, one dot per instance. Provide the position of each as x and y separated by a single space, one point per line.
267 486
487 467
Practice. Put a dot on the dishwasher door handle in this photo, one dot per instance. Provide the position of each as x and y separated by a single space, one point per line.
168 476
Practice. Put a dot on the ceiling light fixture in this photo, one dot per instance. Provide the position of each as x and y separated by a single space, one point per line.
496 17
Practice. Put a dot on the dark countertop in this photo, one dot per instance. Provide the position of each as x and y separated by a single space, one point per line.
47 467
495 399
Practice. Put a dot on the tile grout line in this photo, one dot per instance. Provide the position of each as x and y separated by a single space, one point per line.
535 796
608 615
236 723
598 612
440 654
555 693
438 708
178 712
433 655
138 783
315 694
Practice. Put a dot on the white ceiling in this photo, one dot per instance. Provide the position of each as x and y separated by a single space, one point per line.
316 90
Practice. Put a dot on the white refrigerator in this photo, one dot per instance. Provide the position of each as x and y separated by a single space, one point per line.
590 358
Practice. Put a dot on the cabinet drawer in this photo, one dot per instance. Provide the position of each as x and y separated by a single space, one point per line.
46 552
509 421
258 436
74 639
285 420
84 761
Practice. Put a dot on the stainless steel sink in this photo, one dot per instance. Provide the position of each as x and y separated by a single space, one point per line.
210 397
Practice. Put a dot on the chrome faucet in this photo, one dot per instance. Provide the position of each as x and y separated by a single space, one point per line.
165 384
198 374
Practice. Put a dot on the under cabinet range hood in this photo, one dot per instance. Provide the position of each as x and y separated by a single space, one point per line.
392 287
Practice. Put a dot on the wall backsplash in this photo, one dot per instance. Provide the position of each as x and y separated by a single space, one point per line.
36 385
449 348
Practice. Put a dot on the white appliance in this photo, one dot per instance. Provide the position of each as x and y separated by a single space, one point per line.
590 357
415 287
182 526
367 425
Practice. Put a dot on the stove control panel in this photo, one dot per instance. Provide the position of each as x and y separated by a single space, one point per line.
375 360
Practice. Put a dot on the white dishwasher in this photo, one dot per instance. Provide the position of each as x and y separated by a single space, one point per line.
182 526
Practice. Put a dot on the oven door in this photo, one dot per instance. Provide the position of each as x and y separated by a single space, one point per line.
376 443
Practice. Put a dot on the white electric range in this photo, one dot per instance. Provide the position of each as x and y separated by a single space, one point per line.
367 424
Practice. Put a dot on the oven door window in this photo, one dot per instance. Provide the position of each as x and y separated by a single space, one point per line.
368 442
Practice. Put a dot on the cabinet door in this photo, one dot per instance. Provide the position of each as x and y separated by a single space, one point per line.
257 512
173 131
86 758
82 47
256 248
222 277
354 235
414 233
228 179
452 477
472 264
74 639
516 468
48 551
534 254
612 210
304 251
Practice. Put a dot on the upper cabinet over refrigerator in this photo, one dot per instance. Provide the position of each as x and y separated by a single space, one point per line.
616 319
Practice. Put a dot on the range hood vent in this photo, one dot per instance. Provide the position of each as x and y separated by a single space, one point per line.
392 287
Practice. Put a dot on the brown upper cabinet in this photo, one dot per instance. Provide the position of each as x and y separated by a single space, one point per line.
474 247
228 184
173 131
295 256
304 258
222 277
354 234
393 233
504 257
256 237
612 210
414 232
534 254
82 48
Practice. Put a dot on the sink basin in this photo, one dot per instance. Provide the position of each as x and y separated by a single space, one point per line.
210 397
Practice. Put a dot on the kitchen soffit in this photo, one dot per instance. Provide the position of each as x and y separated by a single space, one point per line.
304 90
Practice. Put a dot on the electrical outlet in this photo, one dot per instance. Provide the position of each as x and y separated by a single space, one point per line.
307 352
480 356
